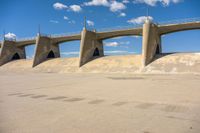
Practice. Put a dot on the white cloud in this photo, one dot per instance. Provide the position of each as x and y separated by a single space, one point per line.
139 20
124 43
54 21
29 57
113 5
117 6
70 53
97 3
125 1
90 23
137 37
122 14
65 18
71 22
59 6
10 36
111 44
75 8
118 52
154 2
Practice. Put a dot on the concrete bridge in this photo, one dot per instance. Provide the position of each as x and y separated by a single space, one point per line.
91 46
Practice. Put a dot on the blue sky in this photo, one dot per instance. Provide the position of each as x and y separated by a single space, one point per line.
22 17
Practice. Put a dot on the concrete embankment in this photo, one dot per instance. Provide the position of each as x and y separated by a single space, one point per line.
169 63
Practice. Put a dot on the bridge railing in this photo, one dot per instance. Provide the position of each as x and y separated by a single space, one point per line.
26 39
180 21
65 34
119 28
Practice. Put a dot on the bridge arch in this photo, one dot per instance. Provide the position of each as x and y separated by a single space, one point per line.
123 45
181 30
69 49
167 29
183 41
29 51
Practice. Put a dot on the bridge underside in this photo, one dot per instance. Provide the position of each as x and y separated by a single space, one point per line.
90 47
45 49
9 52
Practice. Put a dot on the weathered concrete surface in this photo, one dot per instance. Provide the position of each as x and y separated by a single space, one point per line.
90 41
68 38
163 64
117 33
45 46
25 43
8 50
115 103
151 44
89 44
170 28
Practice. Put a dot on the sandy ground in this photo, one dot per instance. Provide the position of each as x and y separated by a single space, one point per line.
170 63
99 103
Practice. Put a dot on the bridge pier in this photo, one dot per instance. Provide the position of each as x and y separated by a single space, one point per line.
45 49
10 51
151 44
90 47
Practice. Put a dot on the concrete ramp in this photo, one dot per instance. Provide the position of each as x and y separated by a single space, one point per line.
169 63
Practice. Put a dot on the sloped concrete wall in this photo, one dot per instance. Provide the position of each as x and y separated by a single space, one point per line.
44 45
151 44
8 50
89 43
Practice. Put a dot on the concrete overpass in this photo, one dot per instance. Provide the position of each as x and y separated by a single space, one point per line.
152 33
91 46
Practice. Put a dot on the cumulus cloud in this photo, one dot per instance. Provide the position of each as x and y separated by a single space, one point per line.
97 3
59 6
113 5
117 6
90 23
122 14
154 2
10 36
139 20
75 8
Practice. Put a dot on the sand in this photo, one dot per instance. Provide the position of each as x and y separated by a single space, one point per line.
168 64
56 101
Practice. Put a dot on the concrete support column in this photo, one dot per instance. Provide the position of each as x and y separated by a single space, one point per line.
9 51
151 44
90 47
45 49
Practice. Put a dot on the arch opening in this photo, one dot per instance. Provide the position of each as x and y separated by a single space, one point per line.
181 42
96 52
69 49
124 45
29 50
16 56
51 55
